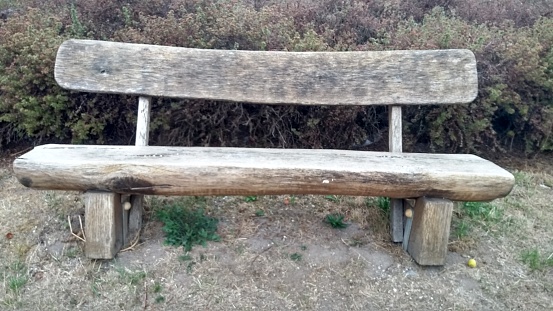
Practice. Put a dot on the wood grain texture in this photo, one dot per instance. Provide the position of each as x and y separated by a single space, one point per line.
395 145
103 224
310 78
143 121
430 231
251 171
134 215
396 220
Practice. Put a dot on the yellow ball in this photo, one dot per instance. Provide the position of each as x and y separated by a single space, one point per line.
471 263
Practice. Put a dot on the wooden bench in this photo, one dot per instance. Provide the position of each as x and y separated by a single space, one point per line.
114 178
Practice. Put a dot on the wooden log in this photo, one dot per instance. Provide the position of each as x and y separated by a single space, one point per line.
252 171
134 215
430 231
103 224
309 78
395 144
143 121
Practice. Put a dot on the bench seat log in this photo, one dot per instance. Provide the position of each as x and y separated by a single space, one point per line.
252 171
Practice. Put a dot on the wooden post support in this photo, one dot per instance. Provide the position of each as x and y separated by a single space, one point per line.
103 224
395 145
430 231
133 216
143 121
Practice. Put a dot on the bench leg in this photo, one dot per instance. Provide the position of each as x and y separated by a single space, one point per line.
103 224
133 219
396 220
430 231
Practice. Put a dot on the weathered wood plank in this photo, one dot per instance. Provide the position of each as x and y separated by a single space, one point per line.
430 231
395 144
103 224
311 78
133 216
252 171
143 121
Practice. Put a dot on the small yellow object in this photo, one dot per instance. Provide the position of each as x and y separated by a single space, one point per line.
471 263
409 213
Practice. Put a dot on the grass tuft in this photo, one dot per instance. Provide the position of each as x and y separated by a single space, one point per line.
535 261
184 226
336 221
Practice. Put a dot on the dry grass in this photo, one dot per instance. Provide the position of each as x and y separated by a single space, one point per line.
43 266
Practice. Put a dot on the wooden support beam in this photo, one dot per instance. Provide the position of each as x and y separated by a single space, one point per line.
395 146
430 231
133 216
103 224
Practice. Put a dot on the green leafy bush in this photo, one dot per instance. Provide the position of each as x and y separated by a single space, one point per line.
31 103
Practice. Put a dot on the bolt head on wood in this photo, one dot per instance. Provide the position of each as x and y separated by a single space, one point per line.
409 213
127 206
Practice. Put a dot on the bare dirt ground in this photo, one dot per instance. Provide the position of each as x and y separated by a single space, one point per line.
286 259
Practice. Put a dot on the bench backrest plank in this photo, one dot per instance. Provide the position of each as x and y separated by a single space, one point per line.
309 78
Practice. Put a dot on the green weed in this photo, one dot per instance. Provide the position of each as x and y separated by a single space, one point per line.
382 203
461 229
535 261
296 256
260 213
486 212
131 277
184 226
251 198
332 198
16 276
185 257
160 299
335 221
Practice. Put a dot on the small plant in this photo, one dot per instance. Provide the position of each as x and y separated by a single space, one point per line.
131 277
296 256
160 299
482 211
260 213
462 229
187 227
157 287
336 221
383 204
332 198
534 260
303 248
185 257
251 198
17 278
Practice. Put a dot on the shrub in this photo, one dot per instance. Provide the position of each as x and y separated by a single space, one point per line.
512 42
31 103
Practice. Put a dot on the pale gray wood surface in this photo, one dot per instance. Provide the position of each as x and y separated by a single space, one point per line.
250 171
143 121
312 78
133 217
103 224
395 145
430 231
